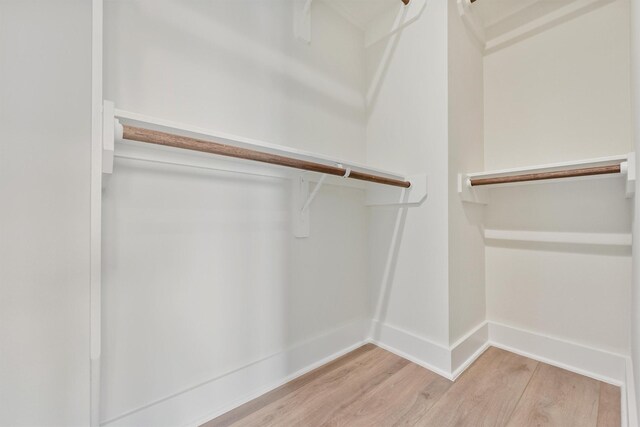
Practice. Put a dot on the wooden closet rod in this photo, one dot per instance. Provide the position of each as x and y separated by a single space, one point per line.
170 140
406 2
567 173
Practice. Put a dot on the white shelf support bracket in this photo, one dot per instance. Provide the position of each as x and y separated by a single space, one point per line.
629 168
469 194
299 208
111 130
388 24
313 194
302 201
302 20
383 195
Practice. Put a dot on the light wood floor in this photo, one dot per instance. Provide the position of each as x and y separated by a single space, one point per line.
372 387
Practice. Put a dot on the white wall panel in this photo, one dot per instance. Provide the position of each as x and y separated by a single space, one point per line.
561 95
467 308
45 117
202 274
407 130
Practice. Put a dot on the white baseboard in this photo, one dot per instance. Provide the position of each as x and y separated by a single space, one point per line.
219 395
598 364
448 362
629 406
417 349
601 365
212 398
468 348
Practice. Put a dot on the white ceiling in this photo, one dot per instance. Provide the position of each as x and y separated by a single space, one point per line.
361 12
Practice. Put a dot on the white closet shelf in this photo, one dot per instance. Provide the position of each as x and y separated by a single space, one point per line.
474 187
382 187
574 238
148 122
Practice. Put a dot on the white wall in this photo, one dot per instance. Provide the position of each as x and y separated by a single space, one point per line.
560 95
201 272
467 308
635 301
407 131
235 66
45 117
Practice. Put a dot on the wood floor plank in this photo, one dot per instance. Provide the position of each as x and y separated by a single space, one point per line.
254 405
307 405
557 397
486 394
400 400
609 406
373 387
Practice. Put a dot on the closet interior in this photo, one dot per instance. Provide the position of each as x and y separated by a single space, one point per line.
318 212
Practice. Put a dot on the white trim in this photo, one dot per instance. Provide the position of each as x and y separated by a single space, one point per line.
95 236
468 348
422 351
607 239
248 382
598 364
588 361
216 396
448 362
628 398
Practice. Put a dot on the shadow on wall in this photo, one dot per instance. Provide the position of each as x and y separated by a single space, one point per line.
200 267
393 242
174 241
386 49
220 42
